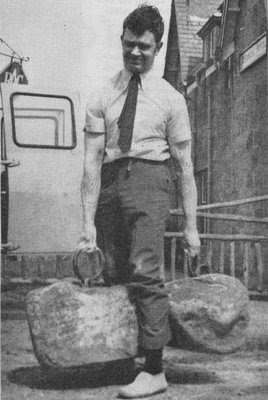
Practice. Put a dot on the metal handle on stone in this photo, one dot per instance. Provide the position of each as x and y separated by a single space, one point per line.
192 265
97 254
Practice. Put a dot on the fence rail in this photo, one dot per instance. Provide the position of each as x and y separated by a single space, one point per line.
233 240
249 242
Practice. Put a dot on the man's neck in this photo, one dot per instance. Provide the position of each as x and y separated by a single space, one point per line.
143 75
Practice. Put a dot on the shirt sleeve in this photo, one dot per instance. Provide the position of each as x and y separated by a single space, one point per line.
178 125
94 121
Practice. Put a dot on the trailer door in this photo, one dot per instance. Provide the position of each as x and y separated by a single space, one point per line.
44 212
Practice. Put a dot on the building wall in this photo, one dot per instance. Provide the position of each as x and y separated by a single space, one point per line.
184 47
228 112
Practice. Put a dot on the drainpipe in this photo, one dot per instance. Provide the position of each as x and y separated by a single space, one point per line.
209 135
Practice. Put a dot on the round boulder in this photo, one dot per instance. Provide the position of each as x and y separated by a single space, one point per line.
209 313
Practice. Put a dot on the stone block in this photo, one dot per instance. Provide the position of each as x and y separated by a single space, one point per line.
209 313
74 327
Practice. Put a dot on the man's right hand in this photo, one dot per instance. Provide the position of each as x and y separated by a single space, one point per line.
87 241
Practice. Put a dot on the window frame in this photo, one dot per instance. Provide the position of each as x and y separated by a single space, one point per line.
44 146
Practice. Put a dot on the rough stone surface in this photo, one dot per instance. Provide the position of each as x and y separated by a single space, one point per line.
72 326
76 327
209 313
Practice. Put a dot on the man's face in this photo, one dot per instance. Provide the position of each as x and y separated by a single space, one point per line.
139 51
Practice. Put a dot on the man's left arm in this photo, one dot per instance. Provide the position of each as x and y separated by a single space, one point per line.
181 153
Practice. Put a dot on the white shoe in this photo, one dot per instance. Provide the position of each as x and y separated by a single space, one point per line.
144 385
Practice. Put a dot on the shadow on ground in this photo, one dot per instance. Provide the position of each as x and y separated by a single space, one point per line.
39 378
182 374
114 374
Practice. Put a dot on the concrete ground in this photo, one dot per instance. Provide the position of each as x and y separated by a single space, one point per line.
191 376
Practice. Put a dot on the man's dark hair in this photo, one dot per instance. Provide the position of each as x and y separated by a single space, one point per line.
145 18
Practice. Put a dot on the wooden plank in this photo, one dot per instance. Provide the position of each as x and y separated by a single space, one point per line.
209 255
222 258
185 264
246 263
228 203
253 294
198 269
222 216
173 258
233 203
232 259
235 217
259 266
219 236
162 267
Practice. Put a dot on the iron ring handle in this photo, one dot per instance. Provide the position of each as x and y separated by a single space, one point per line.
93 277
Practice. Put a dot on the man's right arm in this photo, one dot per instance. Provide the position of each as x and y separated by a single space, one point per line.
90 187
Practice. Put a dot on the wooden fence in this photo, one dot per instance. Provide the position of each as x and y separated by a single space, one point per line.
228 243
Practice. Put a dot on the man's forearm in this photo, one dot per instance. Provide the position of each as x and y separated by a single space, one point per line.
90 191
189 197
91 183
181 153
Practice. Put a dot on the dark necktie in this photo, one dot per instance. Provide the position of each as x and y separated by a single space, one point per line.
126 119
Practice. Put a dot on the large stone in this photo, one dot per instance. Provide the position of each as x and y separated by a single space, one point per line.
74 327
209 313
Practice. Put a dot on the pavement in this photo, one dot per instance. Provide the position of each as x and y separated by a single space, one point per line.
191 375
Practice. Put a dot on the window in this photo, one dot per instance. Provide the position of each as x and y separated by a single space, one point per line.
206 49
214 38
45 121
229 73
210 44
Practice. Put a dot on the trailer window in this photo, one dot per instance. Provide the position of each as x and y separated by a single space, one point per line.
43 121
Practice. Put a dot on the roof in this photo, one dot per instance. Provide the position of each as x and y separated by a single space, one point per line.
190 16
212 21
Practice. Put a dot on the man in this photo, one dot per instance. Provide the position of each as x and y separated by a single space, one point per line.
133 126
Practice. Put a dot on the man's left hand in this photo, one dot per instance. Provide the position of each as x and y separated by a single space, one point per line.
192 241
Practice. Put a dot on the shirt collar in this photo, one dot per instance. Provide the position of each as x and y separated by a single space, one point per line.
125 76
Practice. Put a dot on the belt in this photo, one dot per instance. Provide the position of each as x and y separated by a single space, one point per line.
129 161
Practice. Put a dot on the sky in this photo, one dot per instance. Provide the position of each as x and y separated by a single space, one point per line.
71 44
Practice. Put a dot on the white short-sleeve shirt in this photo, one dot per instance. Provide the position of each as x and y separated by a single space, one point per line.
161 118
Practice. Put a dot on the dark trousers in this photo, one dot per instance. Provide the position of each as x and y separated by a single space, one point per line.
131 219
